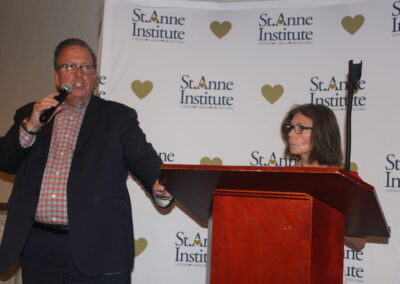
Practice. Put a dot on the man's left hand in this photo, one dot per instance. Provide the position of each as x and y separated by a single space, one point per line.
160 191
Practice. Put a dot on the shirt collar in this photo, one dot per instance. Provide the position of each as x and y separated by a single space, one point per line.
81 105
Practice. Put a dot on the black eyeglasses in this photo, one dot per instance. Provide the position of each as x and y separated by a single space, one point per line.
298 128
73 68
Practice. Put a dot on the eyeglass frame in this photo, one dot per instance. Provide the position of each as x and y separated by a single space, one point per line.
298 128
71 68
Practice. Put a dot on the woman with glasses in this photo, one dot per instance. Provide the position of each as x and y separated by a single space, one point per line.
312 137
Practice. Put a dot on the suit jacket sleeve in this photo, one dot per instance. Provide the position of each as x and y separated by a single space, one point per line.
140 157
11 151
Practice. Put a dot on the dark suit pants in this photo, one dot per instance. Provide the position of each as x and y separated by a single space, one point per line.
47 259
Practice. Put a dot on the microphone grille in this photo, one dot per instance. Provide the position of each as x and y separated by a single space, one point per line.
67 87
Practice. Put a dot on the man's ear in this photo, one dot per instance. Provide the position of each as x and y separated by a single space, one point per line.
56 79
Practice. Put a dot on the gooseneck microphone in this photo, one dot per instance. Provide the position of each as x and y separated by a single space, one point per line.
353 78
63 93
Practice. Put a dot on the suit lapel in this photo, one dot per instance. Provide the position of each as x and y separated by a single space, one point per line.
88 123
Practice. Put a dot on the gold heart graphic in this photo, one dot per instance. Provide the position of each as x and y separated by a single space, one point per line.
272 161
154 19
214 162
353 166
280 22
272 94
332 86
141 89
352 25
197 242
140 246
220 30
202 85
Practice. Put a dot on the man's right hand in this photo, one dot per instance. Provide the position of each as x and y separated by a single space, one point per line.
41 105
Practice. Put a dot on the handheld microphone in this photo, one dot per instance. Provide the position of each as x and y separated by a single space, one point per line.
63 93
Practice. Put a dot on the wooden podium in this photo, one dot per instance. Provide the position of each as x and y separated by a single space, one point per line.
276 224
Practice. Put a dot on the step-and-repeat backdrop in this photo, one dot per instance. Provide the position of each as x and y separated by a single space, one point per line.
211 83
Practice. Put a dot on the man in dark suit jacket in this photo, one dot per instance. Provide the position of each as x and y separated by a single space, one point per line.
3 151
69 213
7 145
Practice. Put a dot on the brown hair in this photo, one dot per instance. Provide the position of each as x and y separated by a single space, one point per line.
325 136
69 42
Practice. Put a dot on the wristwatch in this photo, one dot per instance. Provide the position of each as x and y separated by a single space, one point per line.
24 125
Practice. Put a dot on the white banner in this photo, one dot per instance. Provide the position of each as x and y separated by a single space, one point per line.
211 83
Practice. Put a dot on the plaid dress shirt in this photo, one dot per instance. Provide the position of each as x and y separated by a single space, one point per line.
52 205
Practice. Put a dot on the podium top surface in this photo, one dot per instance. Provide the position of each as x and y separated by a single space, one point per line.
193 186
